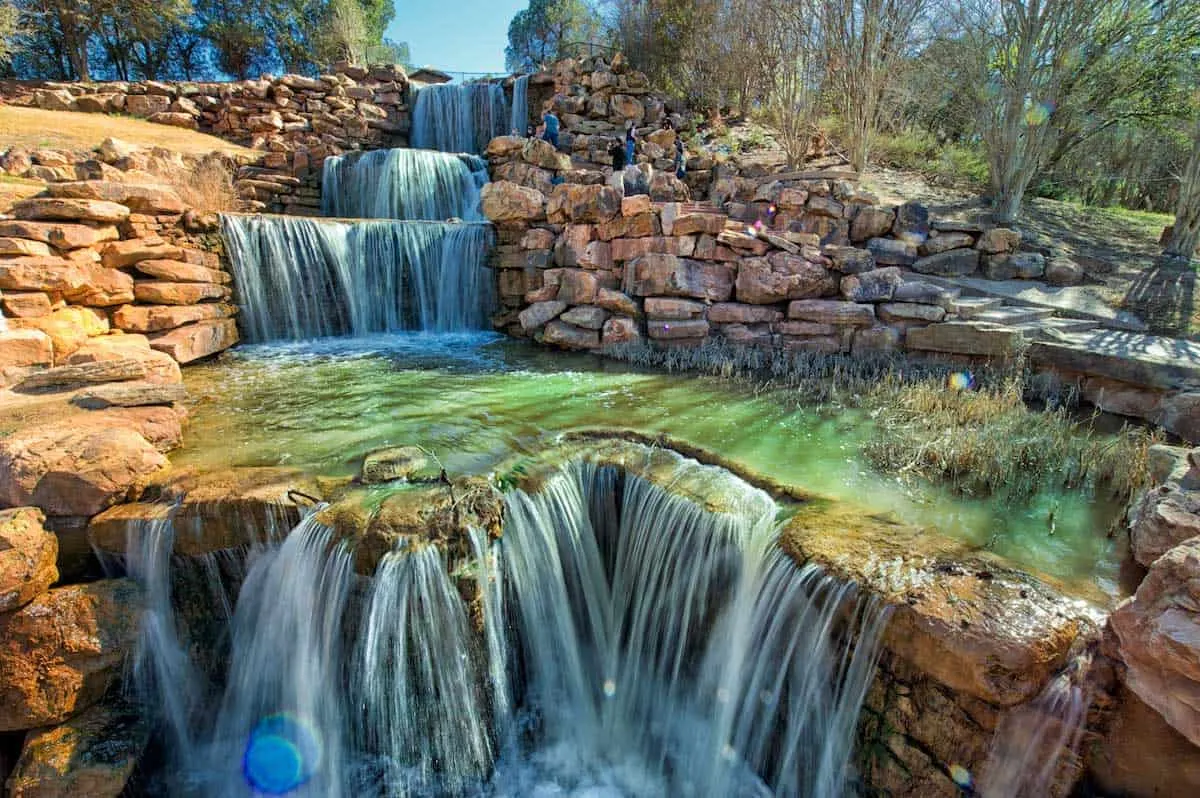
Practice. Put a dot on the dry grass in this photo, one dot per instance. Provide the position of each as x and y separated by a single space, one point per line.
34 128
207 186
988 443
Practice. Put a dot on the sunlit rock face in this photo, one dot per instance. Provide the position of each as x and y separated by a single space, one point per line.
28 556
61 652
1159 634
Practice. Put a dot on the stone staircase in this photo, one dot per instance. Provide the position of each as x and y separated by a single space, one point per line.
1034 323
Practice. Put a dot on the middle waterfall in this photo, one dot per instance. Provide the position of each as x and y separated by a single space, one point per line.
304 278
403 184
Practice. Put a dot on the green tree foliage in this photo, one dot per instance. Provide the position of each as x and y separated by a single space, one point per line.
541 33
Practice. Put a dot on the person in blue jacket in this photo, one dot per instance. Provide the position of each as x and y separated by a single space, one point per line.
630 144
551 123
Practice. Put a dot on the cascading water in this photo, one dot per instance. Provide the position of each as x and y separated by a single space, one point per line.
632 643
403 184
520 105
1034 740
459 117
306 278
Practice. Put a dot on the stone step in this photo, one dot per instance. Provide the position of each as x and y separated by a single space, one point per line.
970 307
1051 327
1012 316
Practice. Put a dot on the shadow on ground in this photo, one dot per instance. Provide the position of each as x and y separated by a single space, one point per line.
1164 295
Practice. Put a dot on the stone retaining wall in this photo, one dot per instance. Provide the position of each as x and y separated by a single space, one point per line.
298 121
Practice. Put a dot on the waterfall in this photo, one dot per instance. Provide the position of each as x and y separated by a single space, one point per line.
303 278
459 117
678 647
1035 739
520 105
403 184
633 642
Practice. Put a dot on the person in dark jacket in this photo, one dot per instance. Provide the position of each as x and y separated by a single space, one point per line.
617 153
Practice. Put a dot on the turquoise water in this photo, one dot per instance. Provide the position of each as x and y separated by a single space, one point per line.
476 399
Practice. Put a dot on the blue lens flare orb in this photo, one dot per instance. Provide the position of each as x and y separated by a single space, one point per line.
282 755
961 381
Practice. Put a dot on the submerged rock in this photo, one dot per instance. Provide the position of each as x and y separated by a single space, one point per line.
63 651
410 463
91 755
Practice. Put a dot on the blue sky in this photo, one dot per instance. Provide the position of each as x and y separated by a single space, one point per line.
455 35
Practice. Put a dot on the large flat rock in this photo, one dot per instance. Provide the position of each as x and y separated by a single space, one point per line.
966 338
1148 360
196 341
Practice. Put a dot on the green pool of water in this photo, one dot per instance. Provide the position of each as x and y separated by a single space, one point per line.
475 400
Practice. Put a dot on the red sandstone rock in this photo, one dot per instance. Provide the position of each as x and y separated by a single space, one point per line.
59 235
80 283
1159 634
139 198
675 330
503 201
577 203
635 205
25 348
120 254
998 240
736 313
578 287
1163 518
539 313
765 281
620 330
74 210
663 308
832 312
61 653
28 555
196 341
27 305
677 222
178 271
569 336
657 274
68 328
164 293
617 302
156 318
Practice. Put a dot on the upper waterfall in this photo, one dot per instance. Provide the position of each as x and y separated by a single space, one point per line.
520 104
403 184
459 117
309 278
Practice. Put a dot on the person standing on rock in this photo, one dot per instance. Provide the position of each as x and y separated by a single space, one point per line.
630 144
680 157
550 121
617 153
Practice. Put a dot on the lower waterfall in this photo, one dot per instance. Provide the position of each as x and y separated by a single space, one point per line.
301 278
459 117
403 184
627 641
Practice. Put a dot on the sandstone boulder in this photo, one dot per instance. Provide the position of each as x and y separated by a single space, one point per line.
737 313
23 246
998 240
871 222
850 260
80 469
502 147
1159 635
157 292
583 204
93 754
160 368
196 341
826 311
69 328
677 330
542 154
80 283
620 330
62 652
662 308
912 223
72 210
178 271
28 557
678 222
967 338
893 252
589 317
60 235
1163 518
153 200
873 286
22 348
156 318
119 254
559 333
409 463
130 394
26 304
780 277
656 274
504 201
950 263
537 314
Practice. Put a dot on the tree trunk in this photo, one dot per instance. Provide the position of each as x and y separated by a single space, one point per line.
1186 234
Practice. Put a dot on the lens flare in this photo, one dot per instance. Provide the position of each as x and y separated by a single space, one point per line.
283 754
961 776
1038 114
961 381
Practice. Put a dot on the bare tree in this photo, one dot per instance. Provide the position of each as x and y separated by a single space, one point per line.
865 40
1186 235
791 46
346 31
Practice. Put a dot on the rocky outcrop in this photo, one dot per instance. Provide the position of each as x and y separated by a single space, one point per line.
28 557
93 754
63 651
1158 631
